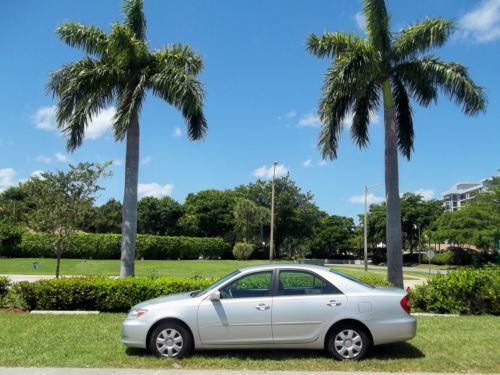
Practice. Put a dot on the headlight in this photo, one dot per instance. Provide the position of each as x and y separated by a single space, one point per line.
134 314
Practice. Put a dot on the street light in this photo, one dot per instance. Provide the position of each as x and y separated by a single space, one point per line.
366 223
417 227
271 243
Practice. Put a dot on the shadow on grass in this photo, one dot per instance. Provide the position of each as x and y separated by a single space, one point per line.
402 350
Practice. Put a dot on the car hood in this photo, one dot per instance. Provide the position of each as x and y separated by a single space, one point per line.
165 299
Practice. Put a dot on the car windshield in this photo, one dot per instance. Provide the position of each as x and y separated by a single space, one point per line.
352 278
215 285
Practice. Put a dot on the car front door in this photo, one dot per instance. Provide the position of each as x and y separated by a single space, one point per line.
242 315
303 306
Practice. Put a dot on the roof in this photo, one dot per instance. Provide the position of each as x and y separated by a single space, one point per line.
284 265
463 187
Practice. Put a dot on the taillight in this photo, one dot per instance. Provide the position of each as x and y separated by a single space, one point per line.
404 303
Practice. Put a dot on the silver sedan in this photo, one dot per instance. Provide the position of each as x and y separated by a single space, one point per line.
274 306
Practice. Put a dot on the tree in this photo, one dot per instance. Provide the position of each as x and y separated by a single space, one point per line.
333 236
61 200
387 69
159 216
106 218
248 218
118 67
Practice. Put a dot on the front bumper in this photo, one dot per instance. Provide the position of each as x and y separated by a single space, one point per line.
134 333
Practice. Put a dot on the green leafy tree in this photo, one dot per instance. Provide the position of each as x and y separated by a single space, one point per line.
61 200
14 204
248 218
333 236
119 68
106 218
387 69
159 216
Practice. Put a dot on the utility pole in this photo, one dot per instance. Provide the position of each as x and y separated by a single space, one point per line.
271 243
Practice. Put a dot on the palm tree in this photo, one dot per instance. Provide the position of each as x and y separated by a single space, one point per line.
119 69
387 69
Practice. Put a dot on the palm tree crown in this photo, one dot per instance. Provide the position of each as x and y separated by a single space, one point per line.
119 69
387 69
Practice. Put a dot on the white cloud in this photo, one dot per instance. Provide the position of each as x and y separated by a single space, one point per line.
177 132
427 194
117 162
154 190
100 124
45 118
146 160
289 115
307 163
482 24
360 20
61 157
37 174
371 199
43 159
309 121
7 178
267 172
322 163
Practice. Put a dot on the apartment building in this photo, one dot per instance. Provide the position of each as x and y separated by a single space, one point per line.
458 196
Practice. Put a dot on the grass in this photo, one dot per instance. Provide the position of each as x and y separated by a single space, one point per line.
185 268
442 344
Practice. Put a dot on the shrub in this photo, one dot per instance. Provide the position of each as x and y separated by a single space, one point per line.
374 280
10 237
439 259
103 294
465 291
242 250
4 285
107 246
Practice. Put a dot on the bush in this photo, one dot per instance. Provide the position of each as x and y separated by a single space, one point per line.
242 250
103 294
4 285
10 237
466 291
107 246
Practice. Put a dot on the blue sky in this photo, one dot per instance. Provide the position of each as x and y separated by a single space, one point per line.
262 93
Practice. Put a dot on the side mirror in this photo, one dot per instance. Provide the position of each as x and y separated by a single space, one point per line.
215 296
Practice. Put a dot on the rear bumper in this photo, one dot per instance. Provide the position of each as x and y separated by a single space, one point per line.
134 333
393 330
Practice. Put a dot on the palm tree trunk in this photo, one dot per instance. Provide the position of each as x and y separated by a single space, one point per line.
129 212
393 208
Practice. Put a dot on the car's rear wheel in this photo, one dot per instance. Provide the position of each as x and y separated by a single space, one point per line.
170 340
347 342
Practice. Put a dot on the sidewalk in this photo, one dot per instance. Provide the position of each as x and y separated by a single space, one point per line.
405 269
110 371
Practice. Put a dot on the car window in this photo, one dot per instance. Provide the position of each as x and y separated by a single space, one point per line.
248 286
299 283
352 278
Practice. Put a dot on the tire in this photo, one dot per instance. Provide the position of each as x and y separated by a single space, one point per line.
170 340
348 342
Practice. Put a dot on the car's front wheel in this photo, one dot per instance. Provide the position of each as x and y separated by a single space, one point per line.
348 343
170 340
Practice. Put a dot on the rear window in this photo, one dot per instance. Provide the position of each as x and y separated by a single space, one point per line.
352 278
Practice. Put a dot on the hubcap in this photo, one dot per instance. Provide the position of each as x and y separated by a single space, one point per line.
348 344
169 342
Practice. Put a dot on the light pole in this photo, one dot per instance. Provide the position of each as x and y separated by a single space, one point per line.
366 223
419 248
271 243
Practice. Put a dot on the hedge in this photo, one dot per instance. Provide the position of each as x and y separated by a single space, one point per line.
107 246
465 291
103 294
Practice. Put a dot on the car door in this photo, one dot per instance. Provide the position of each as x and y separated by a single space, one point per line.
303 306
242 315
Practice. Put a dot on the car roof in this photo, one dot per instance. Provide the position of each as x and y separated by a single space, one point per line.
264 267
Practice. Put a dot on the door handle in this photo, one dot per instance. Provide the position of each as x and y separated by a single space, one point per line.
333 303
262 307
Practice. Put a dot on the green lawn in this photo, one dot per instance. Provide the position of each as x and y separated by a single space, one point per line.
442 344
185 268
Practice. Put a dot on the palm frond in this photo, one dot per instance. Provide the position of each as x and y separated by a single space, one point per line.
417 82
129 103
404 117
331 44
377 26
134 18
421 37
364 108
180 56
455 82
88 38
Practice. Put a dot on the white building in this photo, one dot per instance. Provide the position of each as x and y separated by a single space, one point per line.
458 196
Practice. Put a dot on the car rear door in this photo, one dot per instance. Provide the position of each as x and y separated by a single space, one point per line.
303 306
243 314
